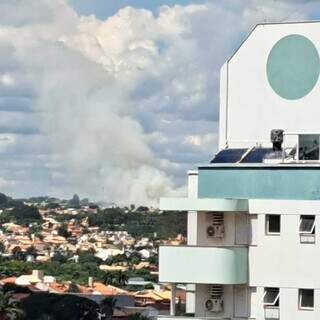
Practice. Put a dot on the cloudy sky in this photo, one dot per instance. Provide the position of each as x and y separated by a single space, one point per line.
116 99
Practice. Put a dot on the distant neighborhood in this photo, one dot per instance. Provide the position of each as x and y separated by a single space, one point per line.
52 250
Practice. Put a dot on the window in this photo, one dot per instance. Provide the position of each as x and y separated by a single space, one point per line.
271 297
307 228
309 147
307 224
273 223
306 298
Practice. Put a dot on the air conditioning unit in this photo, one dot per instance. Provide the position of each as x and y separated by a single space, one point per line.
215 301
216 228
215 231
214 305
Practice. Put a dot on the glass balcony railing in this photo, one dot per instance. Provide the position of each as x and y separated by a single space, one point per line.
301 147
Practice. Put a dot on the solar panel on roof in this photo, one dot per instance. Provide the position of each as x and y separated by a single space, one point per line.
257 155
228 156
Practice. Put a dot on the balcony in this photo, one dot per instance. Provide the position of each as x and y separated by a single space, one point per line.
203 265
260 181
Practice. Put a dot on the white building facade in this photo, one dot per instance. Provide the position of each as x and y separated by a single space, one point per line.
253 247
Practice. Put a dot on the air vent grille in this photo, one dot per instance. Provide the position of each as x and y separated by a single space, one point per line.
217 219
216 291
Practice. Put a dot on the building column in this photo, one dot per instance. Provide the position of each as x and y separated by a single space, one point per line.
173 300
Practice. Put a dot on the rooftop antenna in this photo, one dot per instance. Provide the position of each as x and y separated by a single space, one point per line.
271 19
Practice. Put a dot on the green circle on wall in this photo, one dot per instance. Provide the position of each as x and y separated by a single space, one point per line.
293 67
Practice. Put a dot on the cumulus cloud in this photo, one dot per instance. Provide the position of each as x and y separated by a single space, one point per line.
126 105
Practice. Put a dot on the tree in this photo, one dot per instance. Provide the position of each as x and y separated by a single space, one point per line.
3 199
59 257
122 278
73 288
60 307
2 247
14 288
14 268
87 257
107 307
75 202
35 229
116 278
142 209
17 253
149 286
137 316
53 205
153 260
24 214
32 251
134 258
9 307
63 231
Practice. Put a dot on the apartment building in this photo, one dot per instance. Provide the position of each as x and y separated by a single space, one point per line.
253 248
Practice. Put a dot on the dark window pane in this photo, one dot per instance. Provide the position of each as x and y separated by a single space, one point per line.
306 298
271 297
309 147
307 224
273 223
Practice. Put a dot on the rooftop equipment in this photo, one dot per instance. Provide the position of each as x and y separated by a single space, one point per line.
277 139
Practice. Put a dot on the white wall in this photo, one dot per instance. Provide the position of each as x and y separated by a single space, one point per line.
288 305
252 107
281 260
284 206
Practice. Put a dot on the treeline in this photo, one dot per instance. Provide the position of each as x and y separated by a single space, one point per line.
64 269
43 305
141 224
21 214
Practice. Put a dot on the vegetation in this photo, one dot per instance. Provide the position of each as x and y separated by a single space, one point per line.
73 288
21 214
74 272
39 306
60 307
107 307
116 278
141 223
137 316
2 247
9 307
3 200
75 202
63 231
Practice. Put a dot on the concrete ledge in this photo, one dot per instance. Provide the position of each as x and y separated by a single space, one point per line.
186 204
263 206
